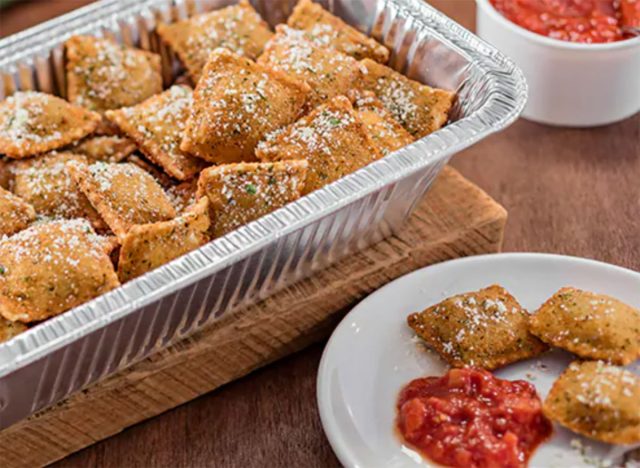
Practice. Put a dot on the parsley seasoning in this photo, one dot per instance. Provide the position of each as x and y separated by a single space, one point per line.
250 188
3 270
334 121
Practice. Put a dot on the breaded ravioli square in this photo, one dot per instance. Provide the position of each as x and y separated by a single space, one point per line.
148 246
329 73
330 32
597 400
592 326
385 131
157 125
46 183
106 148
235 104
32 123
123 194
15 213
52 267
238 28
419 108
486 328
332 138
241 193
9 329
103 75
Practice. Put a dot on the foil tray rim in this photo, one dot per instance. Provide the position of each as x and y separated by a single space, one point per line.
493 116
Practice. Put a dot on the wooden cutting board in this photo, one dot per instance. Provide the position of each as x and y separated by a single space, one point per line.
456 219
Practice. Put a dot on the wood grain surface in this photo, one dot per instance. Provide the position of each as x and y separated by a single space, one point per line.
568 191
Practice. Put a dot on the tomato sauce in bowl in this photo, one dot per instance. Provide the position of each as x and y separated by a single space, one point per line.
585 21
469 418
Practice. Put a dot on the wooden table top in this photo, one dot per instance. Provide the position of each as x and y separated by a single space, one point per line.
573 192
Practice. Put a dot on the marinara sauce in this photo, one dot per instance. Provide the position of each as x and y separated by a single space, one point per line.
588 21
469 418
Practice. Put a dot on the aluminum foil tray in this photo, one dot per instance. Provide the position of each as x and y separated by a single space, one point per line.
81 346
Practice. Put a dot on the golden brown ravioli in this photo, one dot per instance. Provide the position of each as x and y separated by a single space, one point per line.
158 174
183 195
236 103
241 193
32 123
103 75
52 267
10 329
592 326
238 28
157 125
332 138
106 148
330 32
123 194
148 246
487 328
419 108
385 131
329 73
597 400
46 183
15 213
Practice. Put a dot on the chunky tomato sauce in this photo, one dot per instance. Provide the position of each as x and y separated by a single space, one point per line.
469 418
589 21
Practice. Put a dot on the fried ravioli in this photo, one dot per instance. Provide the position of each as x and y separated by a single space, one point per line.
420 109
52 267
123 194
238 28
103 75
15 213
158 174
327 72
332 138
236 103
106 148
486 329
183 195
597 400
10 329
330 32
592 326
387 134
148 246
32 123
241 193
156 125
46 183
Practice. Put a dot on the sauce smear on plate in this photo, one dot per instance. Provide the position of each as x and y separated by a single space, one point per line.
469 418
587 21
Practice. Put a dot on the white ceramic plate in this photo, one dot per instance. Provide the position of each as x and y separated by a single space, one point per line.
372 354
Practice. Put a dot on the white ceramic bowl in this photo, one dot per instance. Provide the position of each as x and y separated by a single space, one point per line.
570 84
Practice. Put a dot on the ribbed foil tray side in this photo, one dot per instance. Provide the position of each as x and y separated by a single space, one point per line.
82 346
131 336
